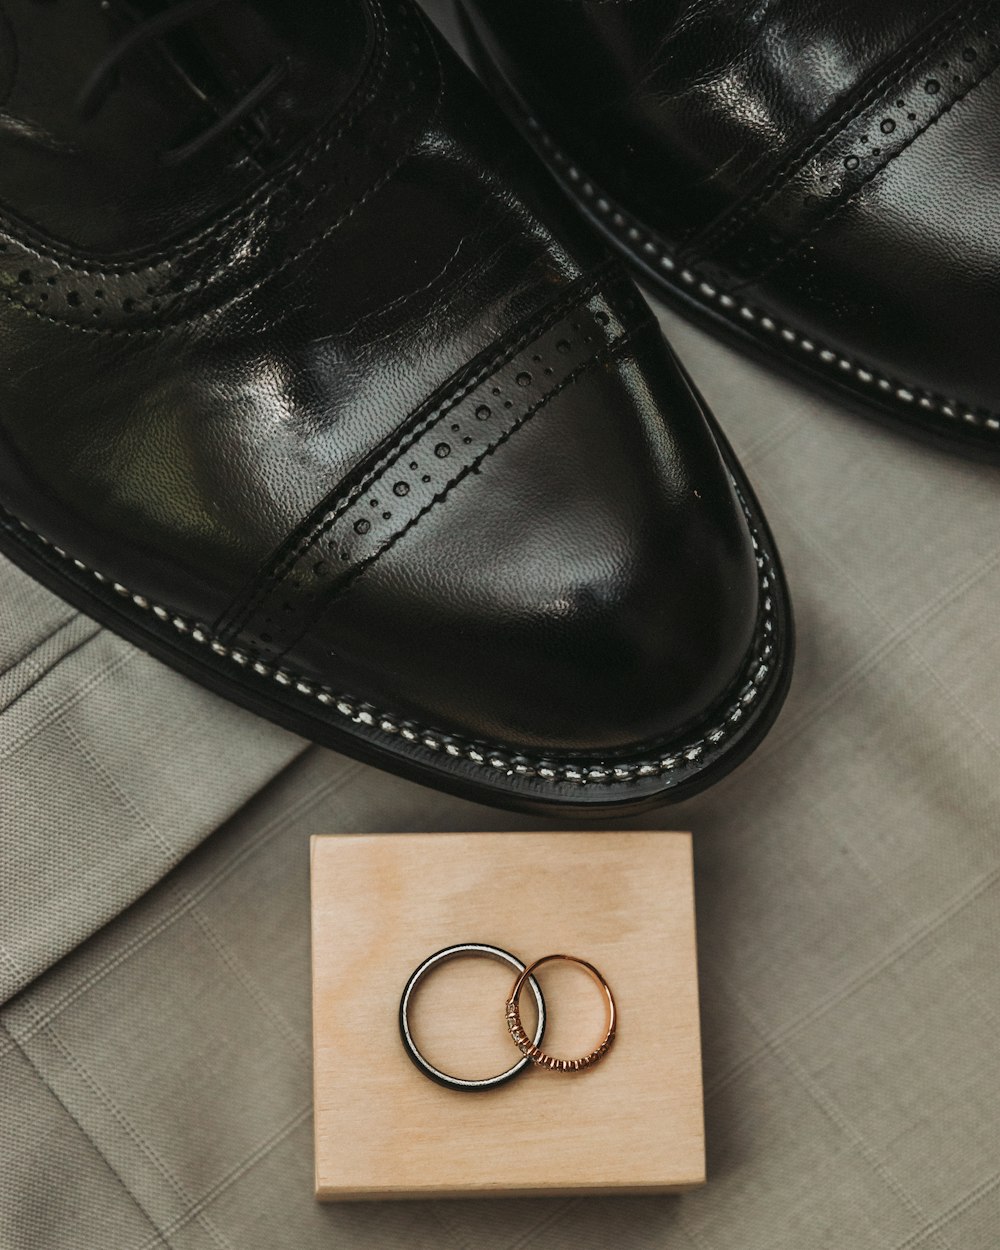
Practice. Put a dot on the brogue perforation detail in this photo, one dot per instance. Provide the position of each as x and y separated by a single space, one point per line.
423 469
152 294
248 603
911 89
670 761
650 251
826 184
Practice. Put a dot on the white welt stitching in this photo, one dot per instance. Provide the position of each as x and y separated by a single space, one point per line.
638 239
760 669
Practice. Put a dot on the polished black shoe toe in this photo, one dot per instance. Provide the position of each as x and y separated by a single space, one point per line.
370 437
818 182
578 574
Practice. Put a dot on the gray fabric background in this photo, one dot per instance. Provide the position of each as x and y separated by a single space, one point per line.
154 964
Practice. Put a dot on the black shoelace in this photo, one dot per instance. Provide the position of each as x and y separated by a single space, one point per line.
101 81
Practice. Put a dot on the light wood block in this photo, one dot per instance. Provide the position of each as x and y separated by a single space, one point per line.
624 901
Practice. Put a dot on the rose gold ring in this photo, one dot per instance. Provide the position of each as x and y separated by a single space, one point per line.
529 1049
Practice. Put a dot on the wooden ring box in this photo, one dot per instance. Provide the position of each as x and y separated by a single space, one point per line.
624 901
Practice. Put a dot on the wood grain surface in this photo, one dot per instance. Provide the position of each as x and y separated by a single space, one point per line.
384 902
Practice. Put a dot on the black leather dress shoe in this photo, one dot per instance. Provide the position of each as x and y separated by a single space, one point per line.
819 180
315 388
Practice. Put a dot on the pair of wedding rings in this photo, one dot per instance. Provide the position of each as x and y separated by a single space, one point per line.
530 1047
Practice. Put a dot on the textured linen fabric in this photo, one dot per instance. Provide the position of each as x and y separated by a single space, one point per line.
110 772
154 961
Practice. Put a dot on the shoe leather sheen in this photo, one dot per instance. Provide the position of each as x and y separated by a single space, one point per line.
253 385
835 165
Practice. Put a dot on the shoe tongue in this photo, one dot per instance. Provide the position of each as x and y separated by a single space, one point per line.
100 183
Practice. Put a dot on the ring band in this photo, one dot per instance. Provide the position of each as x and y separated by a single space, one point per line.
530 1048
434 961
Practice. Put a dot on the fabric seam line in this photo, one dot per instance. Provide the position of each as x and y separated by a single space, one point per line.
161 1236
